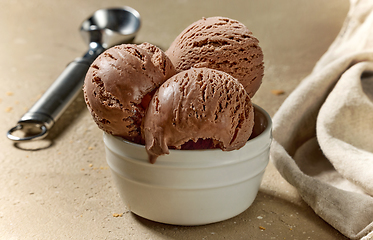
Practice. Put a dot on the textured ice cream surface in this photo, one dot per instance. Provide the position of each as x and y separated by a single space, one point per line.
119 85
199 103
223 44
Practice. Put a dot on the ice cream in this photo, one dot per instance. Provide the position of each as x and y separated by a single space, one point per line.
223 44
199 103
119 85
196 95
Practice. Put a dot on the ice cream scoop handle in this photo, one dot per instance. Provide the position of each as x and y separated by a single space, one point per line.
61 93
54 101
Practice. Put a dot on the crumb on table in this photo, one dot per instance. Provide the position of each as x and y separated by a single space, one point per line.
277 92
117 214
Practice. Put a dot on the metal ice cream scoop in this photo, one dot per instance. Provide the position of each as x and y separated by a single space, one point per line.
104 29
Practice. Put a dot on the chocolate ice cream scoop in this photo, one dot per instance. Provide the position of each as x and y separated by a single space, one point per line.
198 103
223 44
119 85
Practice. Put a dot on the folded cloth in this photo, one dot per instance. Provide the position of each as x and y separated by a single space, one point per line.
323 132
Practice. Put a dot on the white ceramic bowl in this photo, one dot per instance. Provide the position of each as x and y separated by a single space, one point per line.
190 187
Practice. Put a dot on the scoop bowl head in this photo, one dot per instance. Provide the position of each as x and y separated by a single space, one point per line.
111 26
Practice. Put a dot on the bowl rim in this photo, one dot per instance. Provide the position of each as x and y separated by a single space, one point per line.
164 161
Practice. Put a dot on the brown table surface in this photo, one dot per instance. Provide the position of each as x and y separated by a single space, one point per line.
61 187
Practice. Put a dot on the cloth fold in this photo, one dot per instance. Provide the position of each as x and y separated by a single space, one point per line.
323 132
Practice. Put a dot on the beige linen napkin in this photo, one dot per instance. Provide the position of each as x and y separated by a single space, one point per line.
323 132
